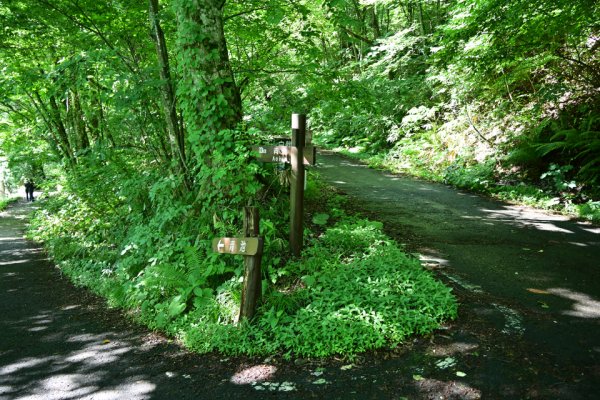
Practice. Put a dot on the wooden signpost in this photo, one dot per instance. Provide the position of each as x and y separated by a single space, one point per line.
297 184
250 247
297 155
282 154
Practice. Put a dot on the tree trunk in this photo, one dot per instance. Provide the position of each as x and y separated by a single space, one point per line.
169 102
61 131
209 95
79 122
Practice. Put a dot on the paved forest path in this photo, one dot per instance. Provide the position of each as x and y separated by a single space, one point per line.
530 279
528 325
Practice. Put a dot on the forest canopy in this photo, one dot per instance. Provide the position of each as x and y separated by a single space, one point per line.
441 84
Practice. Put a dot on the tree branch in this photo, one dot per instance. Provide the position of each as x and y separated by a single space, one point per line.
228 17
93 29
357 36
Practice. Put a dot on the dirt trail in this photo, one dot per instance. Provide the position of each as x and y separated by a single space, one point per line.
529 280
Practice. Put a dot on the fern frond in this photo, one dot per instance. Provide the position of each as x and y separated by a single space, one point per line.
546 148
192 258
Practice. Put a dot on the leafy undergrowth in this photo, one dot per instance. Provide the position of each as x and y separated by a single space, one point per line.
354 289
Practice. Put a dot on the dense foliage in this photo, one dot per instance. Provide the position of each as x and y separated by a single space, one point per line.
140 117
354 290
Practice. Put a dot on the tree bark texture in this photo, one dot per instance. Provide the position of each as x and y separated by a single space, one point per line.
169 101
207 91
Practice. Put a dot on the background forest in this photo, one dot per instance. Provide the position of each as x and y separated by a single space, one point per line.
140 117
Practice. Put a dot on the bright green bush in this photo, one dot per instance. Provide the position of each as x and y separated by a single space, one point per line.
354 290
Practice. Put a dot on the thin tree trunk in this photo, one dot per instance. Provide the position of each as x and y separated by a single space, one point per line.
79 122
60 129
169 102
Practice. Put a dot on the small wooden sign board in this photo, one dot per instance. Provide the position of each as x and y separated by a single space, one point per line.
282 154
247 246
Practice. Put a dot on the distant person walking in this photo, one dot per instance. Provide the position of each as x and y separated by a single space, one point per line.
29 187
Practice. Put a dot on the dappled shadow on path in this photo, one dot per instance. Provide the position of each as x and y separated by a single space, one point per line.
530 277
60 342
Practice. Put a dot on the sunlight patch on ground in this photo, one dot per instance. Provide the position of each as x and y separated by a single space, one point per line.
431 262
513 324
447 390
77 386
137 390
71 307
350 164
463 284
99 354
85 337
592 230
584 307
450 349
256 373
3 263
524 217
11 239
275 386
37 329
25 363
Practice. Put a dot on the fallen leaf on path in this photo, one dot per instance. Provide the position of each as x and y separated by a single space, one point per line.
105 341
537 291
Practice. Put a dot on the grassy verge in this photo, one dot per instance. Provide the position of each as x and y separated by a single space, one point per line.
482 178
7 201
353 290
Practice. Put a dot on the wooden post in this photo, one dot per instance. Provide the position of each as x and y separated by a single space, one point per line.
297 184
251 290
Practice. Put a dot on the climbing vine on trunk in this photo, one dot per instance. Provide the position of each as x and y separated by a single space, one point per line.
209 96
211 105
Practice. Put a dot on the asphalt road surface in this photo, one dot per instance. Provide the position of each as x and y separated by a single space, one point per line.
533 275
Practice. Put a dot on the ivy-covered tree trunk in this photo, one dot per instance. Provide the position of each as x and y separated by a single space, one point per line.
207 91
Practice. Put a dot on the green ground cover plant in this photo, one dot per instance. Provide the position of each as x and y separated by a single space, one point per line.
354 289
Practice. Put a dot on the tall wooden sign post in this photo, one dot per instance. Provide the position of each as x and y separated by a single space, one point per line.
297 183
250 247
297 155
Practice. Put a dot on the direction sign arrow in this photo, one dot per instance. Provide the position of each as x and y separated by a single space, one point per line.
248 246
